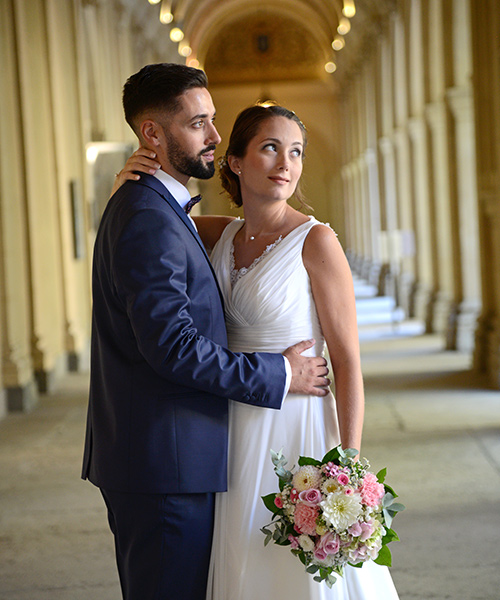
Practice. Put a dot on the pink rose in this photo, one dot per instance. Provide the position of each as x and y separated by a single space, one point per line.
278 501
330 543
293 541
311 497
320 554
342 478
305 518
371 491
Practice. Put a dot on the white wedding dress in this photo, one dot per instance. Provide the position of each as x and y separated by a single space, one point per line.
268 308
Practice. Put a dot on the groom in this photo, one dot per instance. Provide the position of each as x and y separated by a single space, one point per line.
156 442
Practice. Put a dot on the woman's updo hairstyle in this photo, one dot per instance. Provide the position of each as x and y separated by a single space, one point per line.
245 128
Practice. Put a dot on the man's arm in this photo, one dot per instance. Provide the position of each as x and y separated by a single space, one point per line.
149 267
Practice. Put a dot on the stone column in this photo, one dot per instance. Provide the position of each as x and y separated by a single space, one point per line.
42 218
422 291
407 273
70 160
407 269
460 335
387 168
465 231
440 222
16 367
485 20
372 171
420 177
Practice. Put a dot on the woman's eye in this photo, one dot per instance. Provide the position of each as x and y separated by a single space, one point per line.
270 147
296 152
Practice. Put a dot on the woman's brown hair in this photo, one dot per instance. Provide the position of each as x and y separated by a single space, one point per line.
245 128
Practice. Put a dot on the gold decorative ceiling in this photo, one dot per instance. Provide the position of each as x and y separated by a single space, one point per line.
239 41
263 46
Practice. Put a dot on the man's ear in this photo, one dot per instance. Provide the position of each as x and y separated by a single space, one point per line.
234 164
151 133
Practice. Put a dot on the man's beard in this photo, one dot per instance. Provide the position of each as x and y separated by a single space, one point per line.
192 166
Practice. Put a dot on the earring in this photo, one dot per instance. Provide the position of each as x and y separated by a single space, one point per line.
239 172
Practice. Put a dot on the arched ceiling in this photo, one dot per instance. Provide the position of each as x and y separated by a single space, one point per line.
238 41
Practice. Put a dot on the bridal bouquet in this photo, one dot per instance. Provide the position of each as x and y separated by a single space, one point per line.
332 512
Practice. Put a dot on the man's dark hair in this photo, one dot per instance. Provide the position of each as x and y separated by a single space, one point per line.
159 87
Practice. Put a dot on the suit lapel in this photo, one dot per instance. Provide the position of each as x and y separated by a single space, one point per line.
158 187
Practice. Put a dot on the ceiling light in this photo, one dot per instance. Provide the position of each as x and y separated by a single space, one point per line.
338 43
349 9
176 34
344 26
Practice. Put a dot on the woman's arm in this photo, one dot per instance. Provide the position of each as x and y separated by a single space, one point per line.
333 293
210 228
142 160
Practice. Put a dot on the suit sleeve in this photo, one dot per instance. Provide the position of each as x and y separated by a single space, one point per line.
149 271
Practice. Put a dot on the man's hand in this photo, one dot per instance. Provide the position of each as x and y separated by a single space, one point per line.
309 374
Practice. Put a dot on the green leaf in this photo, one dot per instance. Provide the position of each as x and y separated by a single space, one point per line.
269 503
384 557
312 569
381 475
397 506
332 456
306 460
349 452
389 490
390 536
388 499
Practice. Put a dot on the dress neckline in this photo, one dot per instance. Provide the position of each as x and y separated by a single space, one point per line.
237 274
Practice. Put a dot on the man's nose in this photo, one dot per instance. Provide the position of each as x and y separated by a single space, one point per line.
213 135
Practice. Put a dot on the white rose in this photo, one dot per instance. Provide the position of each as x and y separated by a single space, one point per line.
306 543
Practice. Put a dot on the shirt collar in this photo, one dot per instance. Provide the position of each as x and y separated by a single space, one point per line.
178 191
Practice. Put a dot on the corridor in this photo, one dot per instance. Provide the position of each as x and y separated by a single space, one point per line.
426 420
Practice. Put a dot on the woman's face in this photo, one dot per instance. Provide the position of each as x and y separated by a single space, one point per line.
272 165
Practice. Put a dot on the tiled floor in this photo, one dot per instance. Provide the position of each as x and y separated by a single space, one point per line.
427 420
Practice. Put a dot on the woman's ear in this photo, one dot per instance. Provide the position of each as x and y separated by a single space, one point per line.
234 164
151 132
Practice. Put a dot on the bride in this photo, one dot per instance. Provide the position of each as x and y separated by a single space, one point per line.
284 278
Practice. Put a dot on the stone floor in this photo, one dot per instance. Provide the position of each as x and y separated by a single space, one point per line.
427 419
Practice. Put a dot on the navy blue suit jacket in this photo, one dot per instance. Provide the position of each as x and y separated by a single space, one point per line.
160 372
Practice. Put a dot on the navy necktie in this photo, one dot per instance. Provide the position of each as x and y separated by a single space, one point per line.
194 200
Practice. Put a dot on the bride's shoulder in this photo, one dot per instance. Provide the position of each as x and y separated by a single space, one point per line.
321 241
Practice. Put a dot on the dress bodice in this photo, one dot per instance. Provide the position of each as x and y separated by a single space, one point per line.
271 306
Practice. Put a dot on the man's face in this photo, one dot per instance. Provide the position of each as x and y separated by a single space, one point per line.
191 137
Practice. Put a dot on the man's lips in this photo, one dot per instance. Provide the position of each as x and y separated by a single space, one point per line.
208 154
